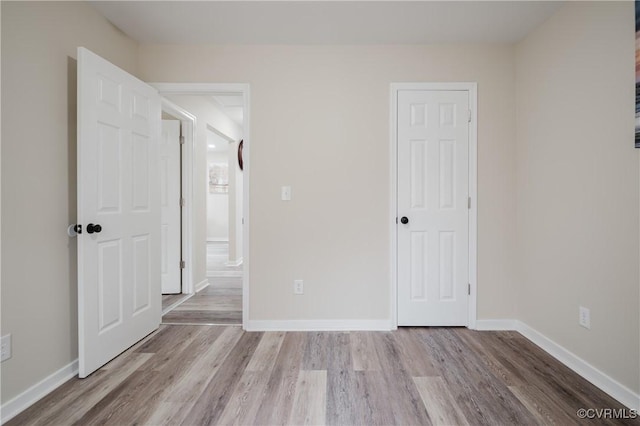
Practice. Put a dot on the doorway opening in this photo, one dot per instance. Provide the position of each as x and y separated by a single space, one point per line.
218 196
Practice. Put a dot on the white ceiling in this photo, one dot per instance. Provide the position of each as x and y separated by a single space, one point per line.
326 22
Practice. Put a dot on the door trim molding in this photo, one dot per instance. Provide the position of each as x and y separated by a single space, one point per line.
216 88
187 119
472 88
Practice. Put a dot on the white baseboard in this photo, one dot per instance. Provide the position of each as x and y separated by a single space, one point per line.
237 262
318 325
202 284
496 324
15 406
607 384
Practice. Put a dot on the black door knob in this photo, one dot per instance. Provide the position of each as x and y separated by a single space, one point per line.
91 228
404 220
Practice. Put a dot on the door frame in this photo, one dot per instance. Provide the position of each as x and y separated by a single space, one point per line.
198 89
472 88
188 122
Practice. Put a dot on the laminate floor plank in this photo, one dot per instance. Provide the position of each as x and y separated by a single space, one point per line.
158 376
72 400
211 303
127 397
196 375
476 390
165 339
189 388
500 364
406 403
341 381
204 317
309 402
440 404
245 401
549 377
170 299
544 409
267 351
363 352
415 360
165 355
373 399
315 351
164 414
562 377
214 398
276 406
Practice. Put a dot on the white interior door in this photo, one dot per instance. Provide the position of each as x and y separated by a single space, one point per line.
170 207
433 188
119 299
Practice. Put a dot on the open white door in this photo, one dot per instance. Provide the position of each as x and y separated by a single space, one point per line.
119 299
170 207
433 190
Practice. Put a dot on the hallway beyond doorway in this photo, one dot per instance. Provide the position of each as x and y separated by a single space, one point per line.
218 261
220 302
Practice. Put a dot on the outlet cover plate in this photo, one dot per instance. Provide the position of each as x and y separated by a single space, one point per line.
5 347
584 318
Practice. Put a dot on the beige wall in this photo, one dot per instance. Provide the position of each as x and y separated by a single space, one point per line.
39 296
320 123
577 209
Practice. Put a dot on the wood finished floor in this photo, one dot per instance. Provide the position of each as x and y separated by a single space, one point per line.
201 375
170 299
219 303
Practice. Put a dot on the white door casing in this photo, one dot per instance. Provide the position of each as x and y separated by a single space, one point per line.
433 190
171 271
119 298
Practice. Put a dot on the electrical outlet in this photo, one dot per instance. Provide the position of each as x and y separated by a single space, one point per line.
584 318
298 287
5 347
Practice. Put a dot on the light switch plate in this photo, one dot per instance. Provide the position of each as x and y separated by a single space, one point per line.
286 193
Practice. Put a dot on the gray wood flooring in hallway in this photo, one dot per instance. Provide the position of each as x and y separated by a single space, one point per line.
201 375
220 303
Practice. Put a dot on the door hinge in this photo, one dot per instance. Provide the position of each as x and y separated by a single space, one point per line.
183 202
182 264
469 203
469 289
181 140
469 116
